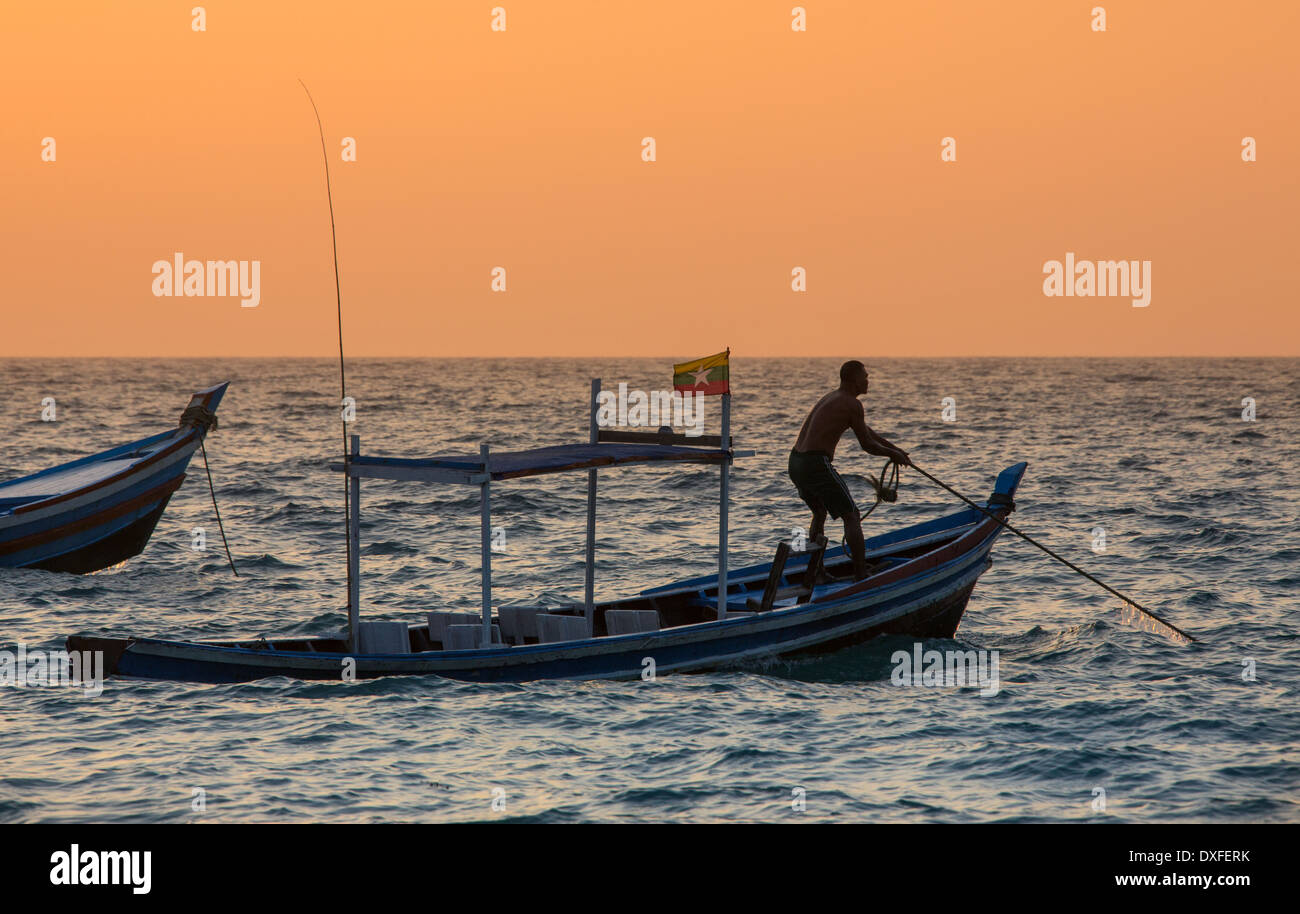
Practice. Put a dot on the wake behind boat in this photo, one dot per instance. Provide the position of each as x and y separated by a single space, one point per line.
100 510
918 583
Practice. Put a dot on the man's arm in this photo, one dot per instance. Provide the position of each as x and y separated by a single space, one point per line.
871 442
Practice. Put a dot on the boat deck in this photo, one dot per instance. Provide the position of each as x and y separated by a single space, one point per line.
79 474
674 608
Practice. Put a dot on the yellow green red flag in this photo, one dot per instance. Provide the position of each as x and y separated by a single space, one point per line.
709 375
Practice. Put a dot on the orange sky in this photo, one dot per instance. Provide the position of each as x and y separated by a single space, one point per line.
776 149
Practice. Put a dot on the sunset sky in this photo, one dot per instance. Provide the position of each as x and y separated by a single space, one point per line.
776 149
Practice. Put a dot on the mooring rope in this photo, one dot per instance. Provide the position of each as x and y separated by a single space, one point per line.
213 492
1180 634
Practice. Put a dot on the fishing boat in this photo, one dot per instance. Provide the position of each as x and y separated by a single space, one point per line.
101 510
920 579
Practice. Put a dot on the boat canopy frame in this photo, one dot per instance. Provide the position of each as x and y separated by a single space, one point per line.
606 448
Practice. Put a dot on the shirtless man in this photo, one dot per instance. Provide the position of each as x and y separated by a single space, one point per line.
810 461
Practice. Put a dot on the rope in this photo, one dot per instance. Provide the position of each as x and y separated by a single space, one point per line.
1066 562
886 488
213 492
199 417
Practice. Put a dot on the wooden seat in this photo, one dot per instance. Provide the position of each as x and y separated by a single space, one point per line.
552 628
439 620
519 623
773 590
468 637
631 621
383 638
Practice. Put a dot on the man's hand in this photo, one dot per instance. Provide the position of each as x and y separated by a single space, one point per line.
882 447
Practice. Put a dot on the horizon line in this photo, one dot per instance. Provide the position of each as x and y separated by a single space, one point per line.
334 357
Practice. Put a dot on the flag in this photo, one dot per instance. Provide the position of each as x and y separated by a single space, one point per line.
709 375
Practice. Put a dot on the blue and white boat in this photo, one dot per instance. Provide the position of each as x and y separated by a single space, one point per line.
100 510
920 579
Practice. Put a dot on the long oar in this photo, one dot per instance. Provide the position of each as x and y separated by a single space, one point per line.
1156 624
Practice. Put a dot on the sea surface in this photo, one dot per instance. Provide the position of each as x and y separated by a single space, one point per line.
1094 721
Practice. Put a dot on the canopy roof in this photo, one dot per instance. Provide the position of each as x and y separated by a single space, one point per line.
606 448
556 459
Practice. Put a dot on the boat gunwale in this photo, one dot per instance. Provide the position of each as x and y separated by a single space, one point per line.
114 453
399 664
74 525
46 514
183 435
799 561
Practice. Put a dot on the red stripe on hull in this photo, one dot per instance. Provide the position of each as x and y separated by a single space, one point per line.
46 536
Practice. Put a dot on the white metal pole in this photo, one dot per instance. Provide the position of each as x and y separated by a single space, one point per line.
485 509
354 551
722 515
590 592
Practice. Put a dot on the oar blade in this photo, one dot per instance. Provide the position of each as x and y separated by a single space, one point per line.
1145 621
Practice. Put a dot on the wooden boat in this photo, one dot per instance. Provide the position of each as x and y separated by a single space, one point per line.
920 579
100 510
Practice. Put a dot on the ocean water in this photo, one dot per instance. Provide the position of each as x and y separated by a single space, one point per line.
1199 508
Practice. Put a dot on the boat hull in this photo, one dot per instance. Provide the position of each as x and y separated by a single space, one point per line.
101 510
925 607
921 587
145 659
111 549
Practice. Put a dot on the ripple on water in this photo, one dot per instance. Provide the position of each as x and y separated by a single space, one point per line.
1170 733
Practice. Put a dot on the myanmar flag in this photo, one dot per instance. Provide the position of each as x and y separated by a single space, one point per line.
709 375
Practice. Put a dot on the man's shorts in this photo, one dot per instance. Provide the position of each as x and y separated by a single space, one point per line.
819 485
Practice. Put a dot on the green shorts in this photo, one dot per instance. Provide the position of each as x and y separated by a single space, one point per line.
819 485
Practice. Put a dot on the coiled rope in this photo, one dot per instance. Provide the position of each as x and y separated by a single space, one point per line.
199 417
886 486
